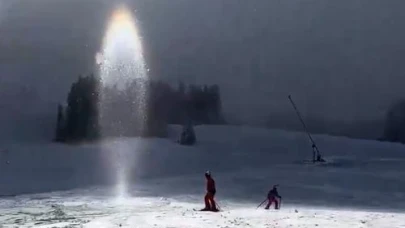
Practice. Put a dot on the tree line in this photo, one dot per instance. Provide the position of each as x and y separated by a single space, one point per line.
143 108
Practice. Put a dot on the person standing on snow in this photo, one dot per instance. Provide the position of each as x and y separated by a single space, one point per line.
272 197
210 204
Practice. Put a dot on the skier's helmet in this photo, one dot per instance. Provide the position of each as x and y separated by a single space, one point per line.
207 173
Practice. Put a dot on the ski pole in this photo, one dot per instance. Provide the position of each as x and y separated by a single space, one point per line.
261 203
218 207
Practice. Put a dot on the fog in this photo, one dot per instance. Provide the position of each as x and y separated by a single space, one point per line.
341 60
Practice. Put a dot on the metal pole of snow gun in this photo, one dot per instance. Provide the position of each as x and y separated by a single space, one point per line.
261 203
315 149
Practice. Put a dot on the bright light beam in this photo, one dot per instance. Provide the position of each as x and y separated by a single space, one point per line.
121 62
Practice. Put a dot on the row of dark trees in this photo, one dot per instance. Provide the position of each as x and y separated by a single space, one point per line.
142 108
79 119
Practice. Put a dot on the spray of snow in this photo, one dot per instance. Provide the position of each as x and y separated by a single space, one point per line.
121 62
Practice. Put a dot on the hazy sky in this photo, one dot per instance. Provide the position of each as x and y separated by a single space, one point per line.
341 60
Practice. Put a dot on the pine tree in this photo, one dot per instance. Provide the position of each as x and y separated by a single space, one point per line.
59 134
395 123
72 113
181 88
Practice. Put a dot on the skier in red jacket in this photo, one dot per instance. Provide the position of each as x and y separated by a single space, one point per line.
272 197
210 204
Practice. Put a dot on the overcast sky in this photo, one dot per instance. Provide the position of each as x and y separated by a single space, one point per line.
341 60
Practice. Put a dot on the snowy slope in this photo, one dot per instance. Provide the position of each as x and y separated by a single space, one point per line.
165 181
86 210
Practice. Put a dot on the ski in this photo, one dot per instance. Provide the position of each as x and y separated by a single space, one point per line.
203 210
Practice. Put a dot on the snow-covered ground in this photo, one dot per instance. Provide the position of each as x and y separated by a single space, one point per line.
80 209
53 185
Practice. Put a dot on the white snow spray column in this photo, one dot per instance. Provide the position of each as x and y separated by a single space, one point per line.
121 64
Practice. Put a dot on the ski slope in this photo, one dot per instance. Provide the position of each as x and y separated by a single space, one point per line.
54 185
